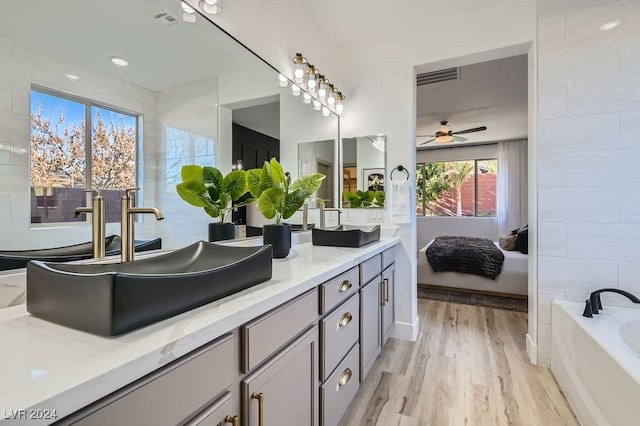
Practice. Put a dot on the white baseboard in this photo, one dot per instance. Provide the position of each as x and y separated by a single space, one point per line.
532 350
406 331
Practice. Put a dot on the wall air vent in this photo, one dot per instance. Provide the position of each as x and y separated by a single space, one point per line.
165 18
438 76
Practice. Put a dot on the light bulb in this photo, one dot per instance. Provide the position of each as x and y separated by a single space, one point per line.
282 80
311 84
210 8
322 87
301 68
325 111
298 75
307 98
339 108
211 1
295 89
317 105
186 8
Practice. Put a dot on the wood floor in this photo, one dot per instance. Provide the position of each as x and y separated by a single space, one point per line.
468 367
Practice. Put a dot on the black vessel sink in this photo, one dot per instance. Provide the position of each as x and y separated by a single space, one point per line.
13 259
110 299
345 236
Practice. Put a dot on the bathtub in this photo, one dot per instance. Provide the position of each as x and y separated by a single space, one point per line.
596 361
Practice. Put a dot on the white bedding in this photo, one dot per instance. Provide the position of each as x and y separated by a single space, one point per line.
512 279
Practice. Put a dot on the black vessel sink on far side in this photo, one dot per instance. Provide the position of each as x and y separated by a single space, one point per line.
345 236
111 299
14 259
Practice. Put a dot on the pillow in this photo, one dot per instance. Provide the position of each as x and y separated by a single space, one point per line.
522 239
508 242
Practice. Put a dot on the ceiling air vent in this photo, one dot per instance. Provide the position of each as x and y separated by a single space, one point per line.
438 76
165 18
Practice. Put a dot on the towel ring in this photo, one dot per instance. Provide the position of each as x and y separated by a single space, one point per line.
400 169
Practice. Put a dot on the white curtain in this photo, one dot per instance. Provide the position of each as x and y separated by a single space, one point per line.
512 185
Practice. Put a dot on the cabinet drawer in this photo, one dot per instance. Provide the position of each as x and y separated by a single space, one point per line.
339 331
263 336
370 268
338 391
388 257
338 289
169 396
215 414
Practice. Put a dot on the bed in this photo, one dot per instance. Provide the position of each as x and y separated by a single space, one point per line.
511 280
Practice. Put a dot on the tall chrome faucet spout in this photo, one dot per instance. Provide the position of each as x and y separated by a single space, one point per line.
128 210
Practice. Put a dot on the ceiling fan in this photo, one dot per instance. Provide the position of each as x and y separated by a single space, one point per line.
445 134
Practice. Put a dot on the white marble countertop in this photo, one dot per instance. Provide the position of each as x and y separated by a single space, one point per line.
48 366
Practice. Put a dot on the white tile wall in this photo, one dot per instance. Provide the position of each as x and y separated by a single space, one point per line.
588 152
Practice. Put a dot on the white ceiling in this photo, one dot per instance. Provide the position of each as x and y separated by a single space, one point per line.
263 118
90 31
492 94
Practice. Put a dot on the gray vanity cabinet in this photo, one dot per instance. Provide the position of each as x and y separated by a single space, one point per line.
370 343
387 302
217 413
284 390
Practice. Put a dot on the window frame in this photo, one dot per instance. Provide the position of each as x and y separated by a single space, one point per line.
423 187
88 103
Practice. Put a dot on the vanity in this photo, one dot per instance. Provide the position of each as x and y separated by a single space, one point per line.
295 347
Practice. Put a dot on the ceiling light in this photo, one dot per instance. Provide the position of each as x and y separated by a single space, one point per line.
444 138
610 25
72 77
121 62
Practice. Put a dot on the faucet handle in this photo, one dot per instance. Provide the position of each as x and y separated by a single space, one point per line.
128 191
97 191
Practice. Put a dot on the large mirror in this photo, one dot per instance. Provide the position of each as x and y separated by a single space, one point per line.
364 174
189 94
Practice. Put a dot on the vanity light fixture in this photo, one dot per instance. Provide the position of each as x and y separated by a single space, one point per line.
295 90
300 68
283 81
212 7
121 62
312 78
322 87
325 111
339 104
188 13
306 98
317 105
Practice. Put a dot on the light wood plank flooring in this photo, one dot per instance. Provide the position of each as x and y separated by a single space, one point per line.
468 367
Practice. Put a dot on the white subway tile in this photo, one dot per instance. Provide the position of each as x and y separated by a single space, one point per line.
630 129
21 101
585 133
630 54
14 178
552 170
544 305
553 7
629 273
544 340
21 206
618 242
578 63
14 126
578 205
15 74
574 275
19 153
602 95
630 204
604 168
552 101
551 33
5 205
552 239
5 151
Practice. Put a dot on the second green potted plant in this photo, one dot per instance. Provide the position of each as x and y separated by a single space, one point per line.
279 199
206 187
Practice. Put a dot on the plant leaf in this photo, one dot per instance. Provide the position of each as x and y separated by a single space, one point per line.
277 172
212 176
253 182
266 179
309 184
270 201
212 211
190 192
191 172
292 203
235 183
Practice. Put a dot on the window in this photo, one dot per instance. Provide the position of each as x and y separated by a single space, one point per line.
77 145
457 188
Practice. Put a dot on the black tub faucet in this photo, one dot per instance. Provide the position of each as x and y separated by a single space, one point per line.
593 304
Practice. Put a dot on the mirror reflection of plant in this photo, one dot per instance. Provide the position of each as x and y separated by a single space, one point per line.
277 197
360 198
206 187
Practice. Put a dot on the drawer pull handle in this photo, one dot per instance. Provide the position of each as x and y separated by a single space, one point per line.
344 378
345 319
386 291
344 286
234 420
260 398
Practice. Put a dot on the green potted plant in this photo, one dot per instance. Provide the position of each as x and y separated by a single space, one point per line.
278 198
206 187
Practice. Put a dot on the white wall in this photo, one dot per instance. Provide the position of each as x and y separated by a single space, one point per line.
588 153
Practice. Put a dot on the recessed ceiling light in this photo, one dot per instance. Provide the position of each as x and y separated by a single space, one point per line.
72 77
610 25
121 62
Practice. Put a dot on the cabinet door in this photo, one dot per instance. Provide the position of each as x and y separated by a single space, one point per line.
284 391
369 325
387 302
218 413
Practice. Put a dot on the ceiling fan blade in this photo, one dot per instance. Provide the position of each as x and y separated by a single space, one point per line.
425 136
430 140
459 139
475 129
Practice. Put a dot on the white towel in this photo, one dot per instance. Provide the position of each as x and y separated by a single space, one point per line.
400 201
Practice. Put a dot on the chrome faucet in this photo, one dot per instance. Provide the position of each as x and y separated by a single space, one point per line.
322 212
98 211
128 210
